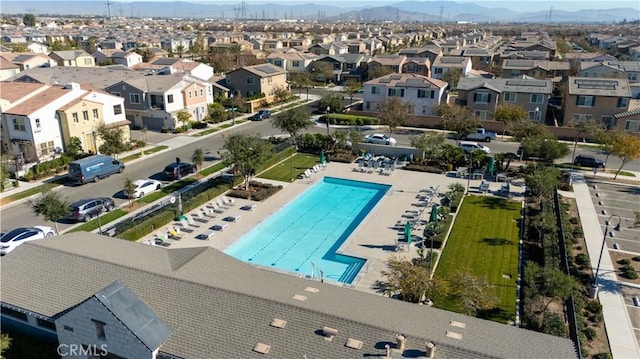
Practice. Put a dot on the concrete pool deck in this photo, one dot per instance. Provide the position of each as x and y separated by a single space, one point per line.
374 239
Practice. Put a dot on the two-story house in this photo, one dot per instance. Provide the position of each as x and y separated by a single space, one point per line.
428 51
540 69
421 93
253 80
125 58
28 60
343 67
611 69
444 64
417 65
291 61
333 48
73 58
7 69
393 63
483 95
598 99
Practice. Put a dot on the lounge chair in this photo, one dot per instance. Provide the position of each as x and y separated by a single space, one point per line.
186 225
198 217
174 232
149 242
232 218
219 203
208 212
229 201
220 226
162 239
215 208
248 207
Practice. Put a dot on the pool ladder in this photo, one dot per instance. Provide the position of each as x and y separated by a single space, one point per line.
314 269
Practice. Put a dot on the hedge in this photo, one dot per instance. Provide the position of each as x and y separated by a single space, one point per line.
350 120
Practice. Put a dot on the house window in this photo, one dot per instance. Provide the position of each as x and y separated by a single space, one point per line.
170 98
632 77
482 97
585 101
422 93
251 80
375 90
75 117
116 94
46 324
296 63
509 97
87 61
480 114
437 71
18 124
189 94
536 98
100 332
581 117
117 109
350 66
37 123
95 113
623 102
632 125
14 314
607 120
396 92
201 92
278 63
85 115
367 105
46 147
134 98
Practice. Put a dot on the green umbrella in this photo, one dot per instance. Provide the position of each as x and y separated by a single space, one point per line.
434 214
491 166
322 157
407 232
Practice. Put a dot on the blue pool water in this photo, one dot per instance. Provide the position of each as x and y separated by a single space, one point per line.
311 228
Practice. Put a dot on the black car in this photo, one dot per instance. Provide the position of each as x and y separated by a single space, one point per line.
178 170
588 161
85 209
261 115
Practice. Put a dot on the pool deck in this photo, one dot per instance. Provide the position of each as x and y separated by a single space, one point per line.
374 239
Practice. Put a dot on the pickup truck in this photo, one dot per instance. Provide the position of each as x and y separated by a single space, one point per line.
481 135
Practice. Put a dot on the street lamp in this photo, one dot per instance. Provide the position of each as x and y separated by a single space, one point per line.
233 110
328 109
469 171
538 114
594 286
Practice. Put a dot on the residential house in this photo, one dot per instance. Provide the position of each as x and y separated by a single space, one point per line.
588 57
344 67
393 63
421 93
38 48
253 80
111 43
73 58
540 69
291 61
611 69
628 121
417 65
634 53
333 48
191 303
444 64
599 99
95 108
99 76
271 44
7 69
172 45
481 58
125 58
154 101
356 46
169 65
483 95
28 60
428 51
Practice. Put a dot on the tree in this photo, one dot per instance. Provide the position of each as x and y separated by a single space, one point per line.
545 147
509 114
29 20
112 140
607 139
542 182
74 148
217 112
524 129
246 153
627 148
4 170
5 343
128 187
333 102
281 93
351 87
471 293
430 145
410 282
180 50
51 205
378 71
301 80
198 157
183 117
457 119
392 112
291 122
323 71
452 77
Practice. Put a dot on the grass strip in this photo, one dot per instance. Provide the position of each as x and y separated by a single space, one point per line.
29 192
152 197
104 219
137 155
282 170
212 169
205 132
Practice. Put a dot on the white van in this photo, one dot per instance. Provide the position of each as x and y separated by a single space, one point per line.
468 147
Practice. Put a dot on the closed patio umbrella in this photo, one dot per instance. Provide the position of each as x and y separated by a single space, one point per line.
492 165
322 159
407 232
434 214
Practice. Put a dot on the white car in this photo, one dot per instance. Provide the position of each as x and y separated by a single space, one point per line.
143 187
469 147
10 240
380 139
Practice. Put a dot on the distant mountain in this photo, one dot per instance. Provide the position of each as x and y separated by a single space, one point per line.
427 11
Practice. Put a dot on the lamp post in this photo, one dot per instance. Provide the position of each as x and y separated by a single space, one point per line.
469 171
328 109
594 287
573 158
233 110
537 114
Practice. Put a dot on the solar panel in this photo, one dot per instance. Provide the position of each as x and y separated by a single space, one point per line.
451 60
596 84
266 69
529 83
520 63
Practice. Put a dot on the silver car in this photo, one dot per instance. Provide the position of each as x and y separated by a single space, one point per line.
380 139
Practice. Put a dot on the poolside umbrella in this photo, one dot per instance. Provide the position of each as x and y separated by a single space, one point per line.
407 231
322 160
492 165
434 214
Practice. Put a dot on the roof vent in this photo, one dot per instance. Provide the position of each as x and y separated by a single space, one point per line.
262 348
454 335
400 342
312 289
430 349
354 343
457 324
278 323
329 333
299 297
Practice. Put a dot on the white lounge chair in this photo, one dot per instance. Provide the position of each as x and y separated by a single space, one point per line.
198 217
174 232
232 218
228 202
248 207
208 212
215 208
220 226
186 225
162 239
219 203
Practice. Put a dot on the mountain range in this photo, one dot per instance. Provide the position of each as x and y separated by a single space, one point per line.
405 11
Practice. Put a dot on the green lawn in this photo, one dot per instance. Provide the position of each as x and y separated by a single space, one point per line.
282 170
213 169
104 219
205 132
484 241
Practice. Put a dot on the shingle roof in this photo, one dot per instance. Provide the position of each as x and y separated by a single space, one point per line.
69 54
220 307
408 80
101 77
507 85
14 91
35 103
610 87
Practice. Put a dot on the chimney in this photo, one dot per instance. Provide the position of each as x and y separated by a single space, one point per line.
430 349
400 341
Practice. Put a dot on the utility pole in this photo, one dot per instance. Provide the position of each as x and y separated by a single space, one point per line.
109 9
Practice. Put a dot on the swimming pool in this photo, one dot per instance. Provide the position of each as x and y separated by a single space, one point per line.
303 236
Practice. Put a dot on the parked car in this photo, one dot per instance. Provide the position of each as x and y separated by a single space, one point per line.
85 209
261 115
481 135
12 239
588 161
469 147
380 139
143 187
93 168
178 170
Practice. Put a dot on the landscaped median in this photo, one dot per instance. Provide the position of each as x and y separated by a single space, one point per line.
137 155
34 190
485 242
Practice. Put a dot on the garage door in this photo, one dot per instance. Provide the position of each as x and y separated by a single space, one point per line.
153 123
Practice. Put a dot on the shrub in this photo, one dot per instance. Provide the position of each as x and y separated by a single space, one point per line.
624 262
602 356
582 259
422 168
636 259
573 220
199 125
629 272
553 324
165 129
258 191
590 333
577 232
147 226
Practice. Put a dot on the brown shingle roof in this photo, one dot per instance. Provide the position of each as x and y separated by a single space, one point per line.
37 102
13 91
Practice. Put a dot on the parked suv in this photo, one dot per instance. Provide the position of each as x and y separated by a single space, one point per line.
178 170
261 115
85 209
469 147
588 161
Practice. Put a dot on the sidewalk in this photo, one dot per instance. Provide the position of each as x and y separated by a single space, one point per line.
619 327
